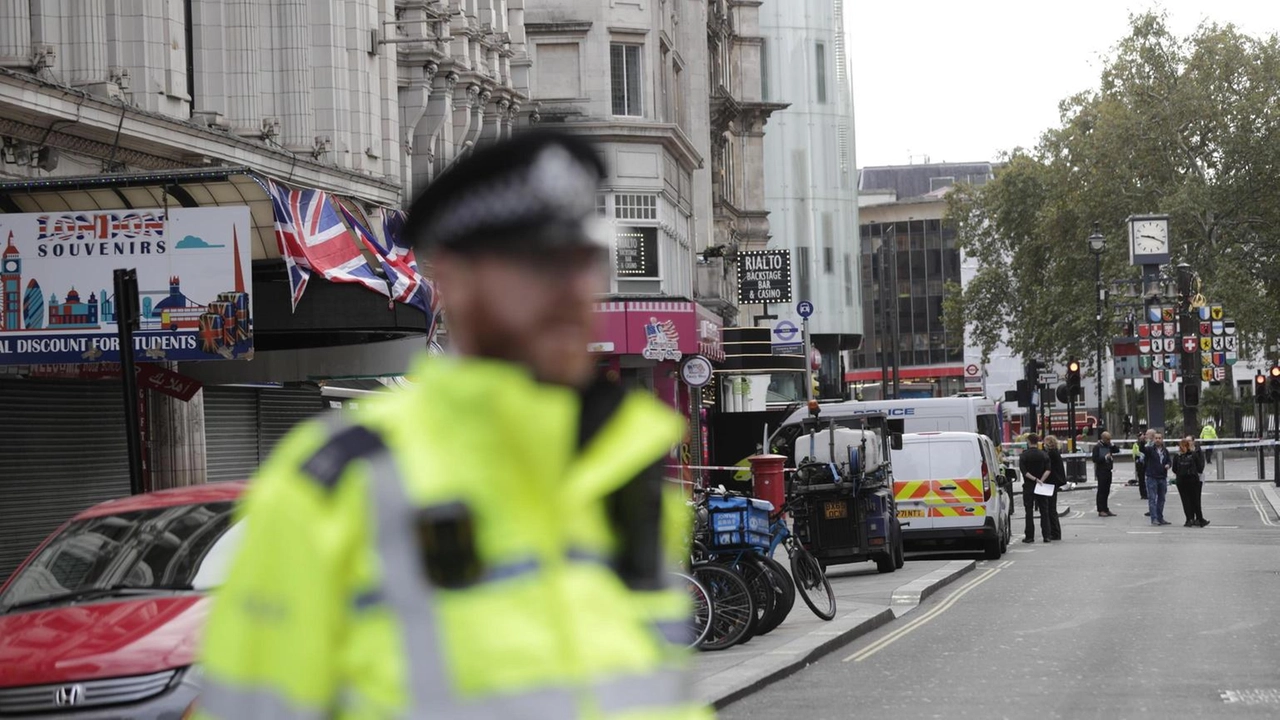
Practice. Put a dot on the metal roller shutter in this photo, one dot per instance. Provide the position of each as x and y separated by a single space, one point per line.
62 449
231 432
280 409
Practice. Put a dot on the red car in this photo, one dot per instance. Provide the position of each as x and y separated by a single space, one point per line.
103 619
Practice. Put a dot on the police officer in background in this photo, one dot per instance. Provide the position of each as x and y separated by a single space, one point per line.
1033 464
1103 462
493 542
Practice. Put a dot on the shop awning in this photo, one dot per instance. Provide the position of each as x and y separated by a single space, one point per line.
654 327
170 188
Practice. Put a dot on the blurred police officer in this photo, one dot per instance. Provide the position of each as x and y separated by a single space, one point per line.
494 541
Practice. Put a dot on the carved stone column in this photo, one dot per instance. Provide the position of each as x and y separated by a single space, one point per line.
15 33
244 97
87 49
178 453
293 52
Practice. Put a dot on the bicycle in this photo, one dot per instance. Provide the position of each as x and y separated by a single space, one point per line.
806 571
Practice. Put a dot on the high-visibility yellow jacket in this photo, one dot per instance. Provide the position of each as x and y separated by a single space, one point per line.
454 554
1209 432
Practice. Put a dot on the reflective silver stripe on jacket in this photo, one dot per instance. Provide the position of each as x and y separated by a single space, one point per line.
410 597
406 592
229 702
661 688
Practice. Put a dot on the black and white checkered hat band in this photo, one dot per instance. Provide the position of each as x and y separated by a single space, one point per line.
554 189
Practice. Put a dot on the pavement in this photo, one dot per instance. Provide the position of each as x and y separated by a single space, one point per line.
866 599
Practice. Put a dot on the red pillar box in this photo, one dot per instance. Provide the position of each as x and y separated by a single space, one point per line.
767 478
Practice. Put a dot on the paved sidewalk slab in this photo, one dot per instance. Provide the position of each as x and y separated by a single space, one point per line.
865 600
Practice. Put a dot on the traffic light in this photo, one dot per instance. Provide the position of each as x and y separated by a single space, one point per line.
1063 393
1191 393
1023 392
1261 391
1074 390
1273 383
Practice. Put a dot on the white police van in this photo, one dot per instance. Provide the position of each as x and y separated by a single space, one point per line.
963 414
967 413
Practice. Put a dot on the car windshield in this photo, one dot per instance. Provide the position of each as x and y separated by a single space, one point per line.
180 547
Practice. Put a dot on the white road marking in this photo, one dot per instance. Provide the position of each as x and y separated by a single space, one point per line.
1257 504
1146 532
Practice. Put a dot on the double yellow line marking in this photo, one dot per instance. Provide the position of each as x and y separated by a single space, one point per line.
942 607
1258 505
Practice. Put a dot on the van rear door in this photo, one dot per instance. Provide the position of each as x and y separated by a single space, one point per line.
958 497
912 484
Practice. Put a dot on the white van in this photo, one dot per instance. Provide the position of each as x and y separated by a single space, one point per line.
949 490
964 414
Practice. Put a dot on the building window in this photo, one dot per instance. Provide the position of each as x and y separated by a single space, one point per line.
802 271
625 71
848 280
668 113
602 204
828 245
635 207
820 62
764 70
677 89
557 72
937 183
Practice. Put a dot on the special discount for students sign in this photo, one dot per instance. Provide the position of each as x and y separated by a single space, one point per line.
56 278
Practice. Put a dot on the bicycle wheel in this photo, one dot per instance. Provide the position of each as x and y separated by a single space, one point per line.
733 612
763 593
785 593
812 583
703 610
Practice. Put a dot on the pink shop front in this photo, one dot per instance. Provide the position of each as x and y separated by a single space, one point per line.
645 342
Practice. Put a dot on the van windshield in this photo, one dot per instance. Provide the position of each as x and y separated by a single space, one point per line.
989 425
939 459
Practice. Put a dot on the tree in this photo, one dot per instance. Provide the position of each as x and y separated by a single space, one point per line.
1189 127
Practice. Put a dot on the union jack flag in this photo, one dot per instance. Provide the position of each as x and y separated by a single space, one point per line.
408 286
312 238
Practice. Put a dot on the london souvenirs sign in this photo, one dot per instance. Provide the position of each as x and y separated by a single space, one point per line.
56 275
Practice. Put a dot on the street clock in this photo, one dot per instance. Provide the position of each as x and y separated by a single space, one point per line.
1148 239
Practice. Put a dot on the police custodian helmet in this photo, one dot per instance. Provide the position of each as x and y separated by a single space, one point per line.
534 192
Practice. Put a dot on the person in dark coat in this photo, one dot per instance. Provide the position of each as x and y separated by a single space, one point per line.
1188 465
1057 478
1156 466
1033 465
1139 459
1102 456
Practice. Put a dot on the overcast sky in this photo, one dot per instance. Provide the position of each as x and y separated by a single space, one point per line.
961 81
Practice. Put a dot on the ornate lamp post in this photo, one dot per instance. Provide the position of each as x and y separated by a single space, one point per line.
1097 243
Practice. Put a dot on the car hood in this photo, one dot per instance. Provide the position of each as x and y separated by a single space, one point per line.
102 639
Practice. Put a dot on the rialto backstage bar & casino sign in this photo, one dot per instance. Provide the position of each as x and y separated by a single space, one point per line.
764 277
56 280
